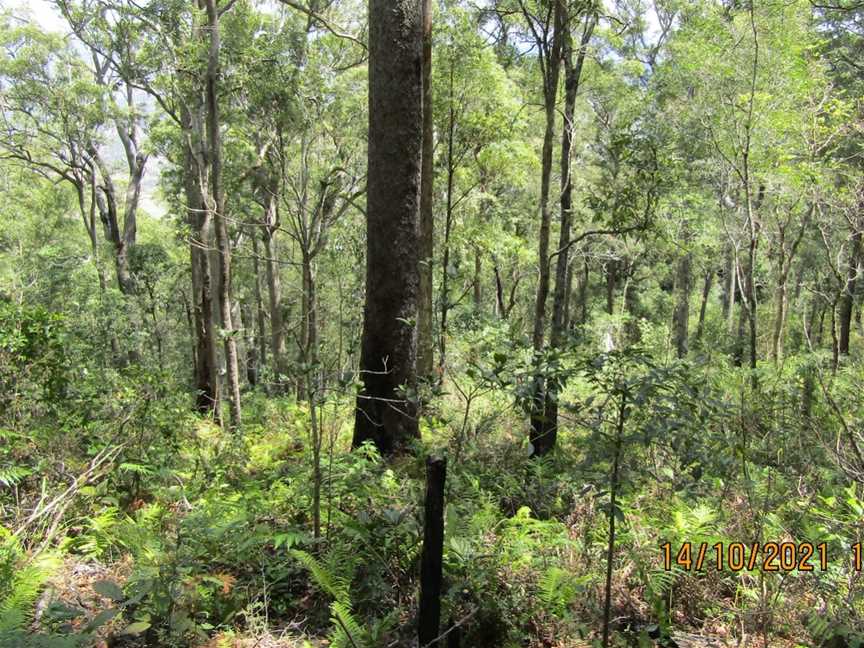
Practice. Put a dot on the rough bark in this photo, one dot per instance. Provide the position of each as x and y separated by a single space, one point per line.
386 406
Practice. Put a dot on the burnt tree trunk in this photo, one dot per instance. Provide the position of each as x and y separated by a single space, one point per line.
386 405
431 561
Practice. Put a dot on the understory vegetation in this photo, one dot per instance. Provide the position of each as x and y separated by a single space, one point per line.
260 260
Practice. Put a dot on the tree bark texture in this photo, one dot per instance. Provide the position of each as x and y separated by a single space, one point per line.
386 404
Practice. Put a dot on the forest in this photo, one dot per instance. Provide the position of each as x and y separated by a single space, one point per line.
431 323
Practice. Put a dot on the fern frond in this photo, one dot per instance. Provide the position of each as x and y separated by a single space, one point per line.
557 590
347 631
17 603
11 475
335 585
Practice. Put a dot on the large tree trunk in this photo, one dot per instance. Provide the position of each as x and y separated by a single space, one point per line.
216 203
425 310
386 405
552 68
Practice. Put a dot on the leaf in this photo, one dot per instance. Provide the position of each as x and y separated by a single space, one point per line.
135 628
108 589
102 618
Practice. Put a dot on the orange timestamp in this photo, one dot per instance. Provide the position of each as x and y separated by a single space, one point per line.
737 556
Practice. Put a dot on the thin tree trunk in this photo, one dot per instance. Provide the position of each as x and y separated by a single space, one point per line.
308 323
568 297
681 316
583 292
731 293
847 299
252 359
425 342
261 337
448 227
431 561
611 280
274 296
206 376
781 299
476 285
703 306
780 309
217 205
552 68
572 76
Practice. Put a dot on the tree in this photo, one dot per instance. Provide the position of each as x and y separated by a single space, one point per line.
386 404
425 342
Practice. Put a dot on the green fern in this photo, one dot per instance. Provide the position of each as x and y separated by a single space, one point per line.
347 631
557 590
11 475
333 584
17 603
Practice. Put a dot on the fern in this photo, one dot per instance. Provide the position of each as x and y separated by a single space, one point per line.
557 590
334 585
11 475
23 590
347 631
